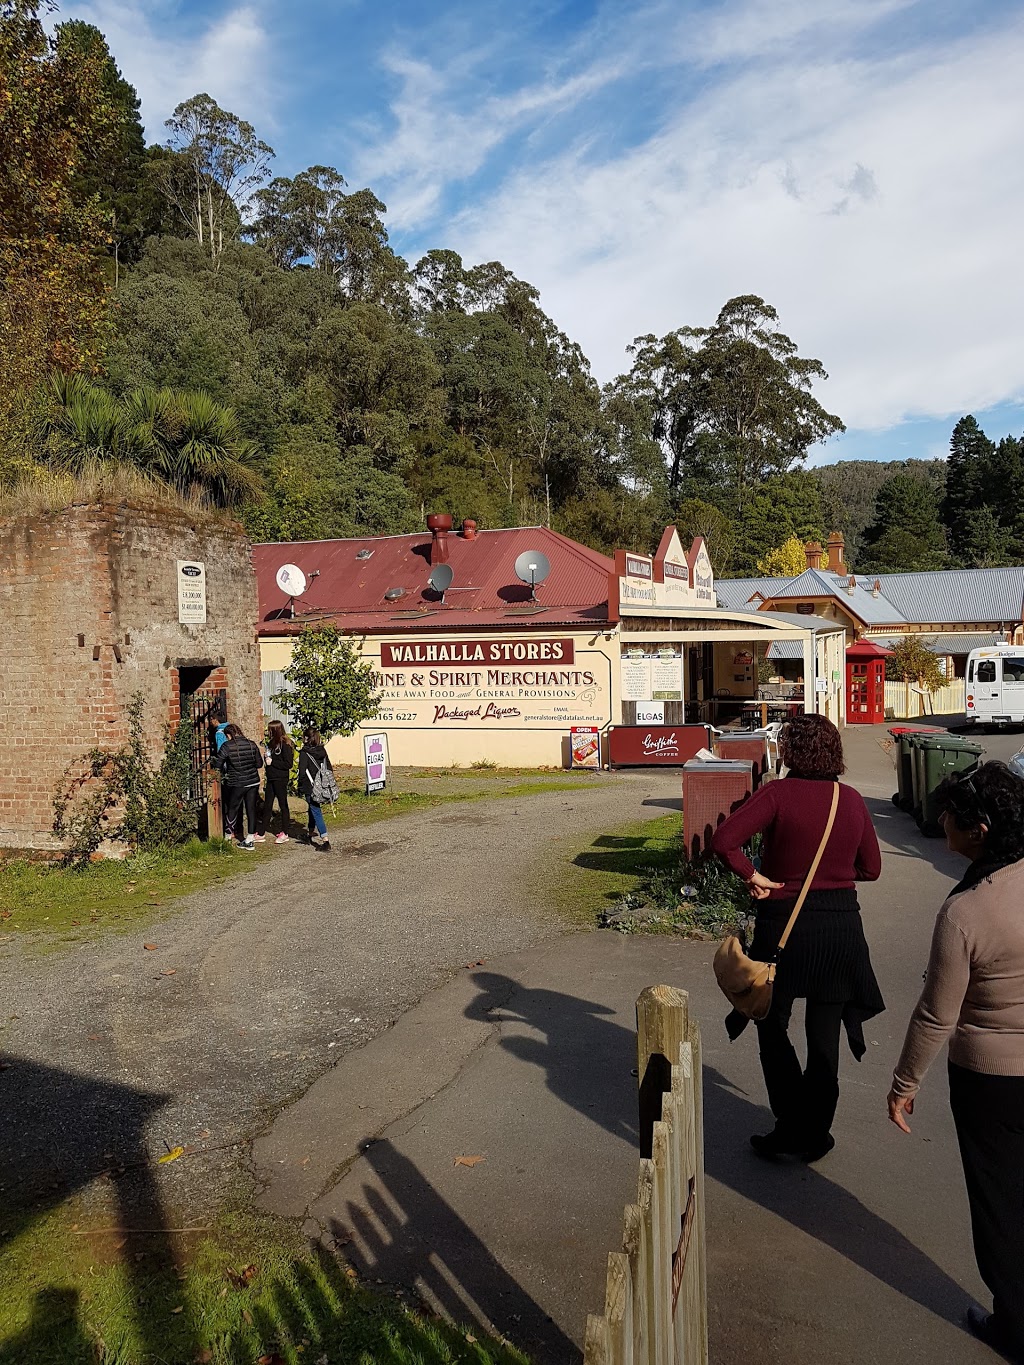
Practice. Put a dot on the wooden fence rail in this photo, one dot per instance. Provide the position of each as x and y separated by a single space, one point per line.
655 1309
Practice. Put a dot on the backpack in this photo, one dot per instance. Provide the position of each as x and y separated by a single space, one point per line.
324 788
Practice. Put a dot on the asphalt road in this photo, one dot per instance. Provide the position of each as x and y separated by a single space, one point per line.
325 1003
528 1062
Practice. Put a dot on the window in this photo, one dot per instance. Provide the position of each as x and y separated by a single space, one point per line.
970 671
987 671
1013 670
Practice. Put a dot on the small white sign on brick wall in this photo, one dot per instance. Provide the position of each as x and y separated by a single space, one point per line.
191 592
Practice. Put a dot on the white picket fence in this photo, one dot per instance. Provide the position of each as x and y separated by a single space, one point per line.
905 701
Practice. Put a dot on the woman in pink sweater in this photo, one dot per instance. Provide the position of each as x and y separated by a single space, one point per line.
974 996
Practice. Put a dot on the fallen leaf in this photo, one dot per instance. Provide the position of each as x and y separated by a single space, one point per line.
169 971
172 1155
180 1308
241 1279
205 1133
247 1316
469 1160
95 1037
204 1357
471 1337
223 1293
149 947
350 1273
76 922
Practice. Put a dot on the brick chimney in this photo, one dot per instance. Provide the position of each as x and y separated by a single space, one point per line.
468 529
439 525
836 553
813 551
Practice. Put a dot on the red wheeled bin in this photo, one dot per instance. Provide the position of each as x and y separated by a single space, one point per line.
712 790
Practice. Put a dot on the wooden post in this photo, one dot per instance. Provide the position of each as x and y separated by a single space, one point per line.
214 810
661 1019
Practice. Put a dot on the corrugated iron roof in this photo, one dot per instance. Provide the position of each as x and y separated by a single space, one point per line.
350 590
785 649
957 594
940 595
949 642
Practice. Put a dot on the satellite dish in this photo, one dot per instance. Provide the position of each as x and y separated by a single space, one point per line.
291 580
533 567
441 578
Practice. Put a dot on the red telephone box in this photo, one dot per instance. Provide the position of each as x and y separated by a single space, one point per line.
865 683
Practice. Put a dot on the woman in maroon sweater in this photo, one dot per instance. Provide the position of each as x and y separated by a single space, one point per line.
826 961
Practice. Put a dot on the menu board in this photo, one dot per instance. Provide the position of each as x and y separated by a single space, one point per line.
667 676
636 677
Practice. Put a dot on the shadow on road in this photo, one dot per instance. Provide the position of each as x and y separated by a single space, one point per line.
403 1232
814 1204
59 1134
898 829
588 1059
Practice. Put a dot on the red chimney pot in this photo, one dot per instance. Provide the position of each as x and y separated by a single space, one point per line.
469 529
439 524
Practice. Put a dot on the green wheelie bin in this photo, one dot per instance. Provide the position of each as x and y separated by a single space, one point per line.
935 759
903 758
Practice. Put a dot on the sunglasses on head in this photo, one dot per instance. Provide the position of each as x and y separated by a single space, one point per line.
968 785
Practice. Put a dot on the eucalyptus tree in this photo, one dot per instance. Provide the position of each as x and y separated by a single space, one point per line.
730 405
220 165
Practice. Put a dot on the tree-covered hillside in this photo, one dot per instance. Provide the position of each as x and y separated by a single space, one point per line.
169 302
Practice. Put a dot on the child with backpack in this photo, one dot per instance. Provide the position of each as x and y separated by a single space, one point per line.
316 784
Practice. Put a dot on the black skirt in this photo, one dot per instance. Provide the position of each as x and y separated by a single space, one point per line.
826 958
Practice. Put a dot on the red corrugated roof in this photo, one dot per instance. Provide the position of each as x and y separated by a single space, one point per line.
485 591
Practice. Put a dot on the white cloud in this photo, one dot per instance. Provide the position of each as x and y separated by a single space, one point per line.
167 61
873 193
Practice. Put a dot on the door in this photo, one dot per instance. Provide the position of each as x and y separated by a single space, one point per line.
1013 686
986 688
858 695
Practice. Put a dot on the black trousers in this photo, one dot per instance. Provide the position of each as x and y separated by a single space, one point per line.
239 799
803 1099
989 1115
277 790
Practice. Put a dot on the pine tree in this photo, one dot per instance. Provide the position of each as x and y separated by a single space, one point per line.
970 450
907 533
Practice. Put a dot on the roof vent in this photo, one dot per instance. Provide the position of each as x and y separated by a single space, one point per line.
393 594
365 554
876 591
851 586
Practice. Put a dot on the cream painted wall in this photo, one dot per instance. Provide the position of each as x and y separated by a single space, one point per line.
585 692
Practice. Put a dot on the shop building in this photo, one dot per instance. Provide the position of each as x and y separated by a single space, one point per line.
494 669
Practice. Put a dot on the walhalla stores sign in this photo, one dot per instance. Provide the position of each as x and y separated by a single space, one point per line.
509 684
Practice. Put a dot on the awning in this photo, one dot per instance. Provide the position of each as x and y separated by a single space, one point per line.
786 649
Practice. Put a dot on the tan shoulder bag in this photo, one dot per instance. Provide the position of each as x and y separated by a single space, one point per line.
746 983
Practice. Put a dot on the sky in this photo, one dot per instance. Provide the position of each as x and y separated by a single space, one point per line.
859 164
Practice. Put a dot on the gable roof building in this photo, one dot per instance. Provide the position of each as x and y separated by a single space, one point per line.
956 610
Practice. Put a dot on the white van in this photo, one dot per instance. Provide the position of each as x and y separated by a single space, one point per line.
995 685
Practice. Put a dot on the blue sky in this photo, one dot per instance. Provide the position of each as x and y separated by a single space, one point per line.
858 163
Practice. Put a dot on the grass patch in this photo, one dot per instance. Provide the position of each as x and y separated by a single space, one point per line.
481 768
636 880
41 897
250 1289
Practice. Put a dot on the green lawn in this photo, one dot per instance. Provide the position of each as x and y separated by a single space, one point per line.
250 1289
641 869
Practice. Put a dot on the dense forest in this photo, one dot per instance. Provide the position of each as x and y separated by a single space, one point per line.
254 339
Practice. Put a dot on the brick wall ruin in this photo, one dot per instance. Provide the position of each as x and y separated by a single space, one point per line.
88 617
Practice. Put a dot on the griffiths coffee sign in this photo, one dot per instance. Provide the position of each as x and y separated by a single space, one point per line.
424 653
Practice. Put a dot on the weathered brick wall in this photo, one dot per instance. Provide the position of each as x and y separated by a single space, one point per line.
88 617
